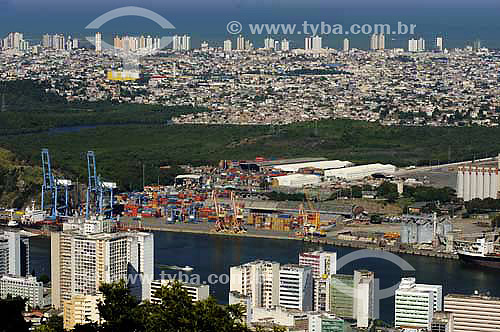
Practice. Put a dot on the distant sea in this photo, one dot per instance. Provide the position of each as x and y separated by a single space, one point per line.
459 26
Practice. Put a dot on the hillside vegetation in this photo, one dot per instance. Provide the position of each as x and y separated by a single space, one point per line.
125 137
18 181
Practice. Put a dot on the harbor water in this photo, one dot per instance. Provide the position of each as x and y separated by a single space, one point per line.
214 255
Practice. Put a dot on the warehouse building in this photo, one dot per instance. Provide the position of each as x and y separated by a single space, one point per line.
359 172
477 182
296 180
321 165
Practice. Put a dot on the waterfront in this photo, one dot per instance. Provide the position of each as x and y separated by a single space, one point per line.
214 254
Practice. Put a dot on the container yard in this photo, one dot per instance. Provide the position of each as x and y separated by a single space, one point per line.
302 199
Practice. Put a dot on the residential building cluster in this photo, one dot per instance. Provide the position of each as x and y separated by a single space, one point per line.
141 43
264 86
15 278
285 294
59 42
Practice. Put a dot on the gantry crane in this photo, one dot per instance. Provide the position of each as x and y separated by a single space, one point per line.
58 206
237 214
221 214
314 214
97 190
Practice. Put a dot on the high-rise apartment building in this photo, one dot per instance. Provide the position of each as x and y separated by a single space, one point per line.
364 297
342 295
374 42
285 45
381 42
353 296
59 42
439 44
181 43
98 42
421 45
416 303
14 40
324 265
141 263
228 45
240 43
346 45
473 313
377 42
14 254
308 43
80 263
317 43
259 280
295 287
269 43
412 45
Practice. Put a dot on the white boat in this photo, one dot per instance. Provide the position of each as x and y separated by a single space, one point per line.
12 223
175 267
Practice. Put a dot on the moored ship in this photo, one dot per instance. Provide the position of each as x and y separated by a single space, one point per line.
481 252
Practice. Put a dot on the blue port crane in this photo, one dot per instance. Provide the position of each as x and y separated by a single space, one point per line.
97 190
51 188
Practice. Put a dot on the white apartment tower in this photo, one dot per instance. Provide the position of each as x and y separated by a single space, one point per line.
240 43
186 43
14 254
412 45
381 42
98 42
421 45
323 265
180 43
259 280
228 45
285 45
269 43
346 45
374 42
416 303
364 297
439 44
308 43
141 263
295 287
317 43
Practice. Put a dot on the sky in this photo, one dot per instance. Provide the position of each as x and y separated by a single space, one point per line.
460 21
